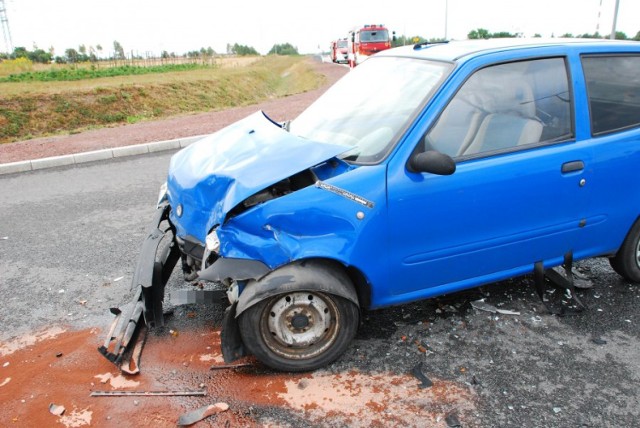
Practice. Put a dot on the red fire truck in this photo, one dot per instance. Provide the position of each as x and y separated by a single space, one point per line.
339 52
366 41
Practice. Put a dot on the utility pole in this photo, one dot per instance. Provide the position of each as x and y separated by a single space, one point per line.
446 19
615 21
4 21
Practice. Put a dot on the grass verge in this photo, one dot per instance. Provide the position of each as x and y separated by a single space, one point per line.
30 110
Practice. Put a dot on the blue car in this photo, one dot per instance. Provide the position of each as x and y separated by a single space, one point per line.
426 170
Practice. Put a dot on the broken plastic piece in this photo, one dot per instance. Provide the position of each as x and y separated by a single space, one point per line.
481 305
425 381
57 410
194 416
599 341
507 312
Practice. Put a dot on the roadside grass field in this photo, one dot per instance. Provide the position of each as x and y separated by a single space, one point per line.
32 108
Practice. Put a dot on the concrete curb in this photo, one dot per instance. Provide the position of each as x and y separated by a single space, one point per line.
97 155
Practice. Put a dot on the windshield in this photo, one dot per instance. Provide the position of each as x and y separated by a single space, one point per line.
342 43
369 107
374 36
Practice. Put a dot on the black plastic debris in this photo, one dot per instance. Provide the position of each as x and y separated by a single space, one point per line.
580 280
599 341
452 420
425 381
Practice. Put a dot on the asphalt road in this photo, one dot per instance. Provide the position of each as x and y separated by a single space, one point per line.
69 239
70 235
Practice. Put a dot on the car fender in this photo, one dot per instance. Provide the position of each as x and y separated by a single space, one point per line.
292 277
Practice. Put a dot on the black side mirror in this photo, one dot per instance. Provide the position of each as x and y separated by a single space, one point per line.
432 162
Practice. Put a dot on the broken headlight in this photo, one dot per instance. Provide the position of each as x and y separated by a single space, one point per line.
211 249
162 195
212 242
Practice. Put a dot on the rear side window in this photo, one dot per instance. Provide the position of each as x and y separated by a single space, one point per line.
613 87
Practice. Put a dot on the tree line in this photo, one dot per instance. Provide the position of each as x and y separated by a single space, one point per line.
93 53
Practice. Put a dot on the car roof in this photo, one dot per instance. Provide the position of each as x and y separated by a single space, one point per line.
467 49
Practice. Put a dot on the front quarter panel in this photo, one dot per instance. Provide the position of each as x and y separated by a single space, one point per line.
317 223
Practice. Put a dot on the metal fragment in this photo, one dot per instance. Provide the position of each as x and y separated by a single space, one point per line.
229 366
201 392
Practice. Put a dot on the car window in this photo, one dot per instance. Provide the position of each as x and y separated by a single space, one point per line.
613 88
505 107
369 107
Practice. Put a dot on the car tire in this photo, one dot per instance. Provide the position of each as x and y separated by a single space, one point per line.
627 261
299 330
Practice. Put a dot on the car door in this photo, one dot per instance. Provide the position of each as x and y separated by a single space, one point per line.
516 196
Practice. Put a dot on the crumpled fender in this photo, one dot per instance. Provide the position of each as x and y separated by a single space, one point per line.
289 278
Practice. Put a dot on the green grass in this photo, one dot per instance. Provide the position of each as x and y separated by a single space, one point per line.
36 109
73 74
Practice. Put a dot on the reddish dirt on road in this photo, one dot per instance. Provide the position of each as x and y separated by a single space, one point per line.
63 368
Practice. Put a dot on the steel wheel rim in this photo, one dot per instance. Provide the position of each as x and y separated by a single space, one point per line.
300 325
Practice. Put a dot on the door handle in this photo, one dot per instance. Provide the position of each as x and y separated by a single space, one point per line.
572 166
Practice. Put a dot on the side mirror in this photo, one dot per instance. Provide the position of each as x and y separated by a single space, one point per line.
432 162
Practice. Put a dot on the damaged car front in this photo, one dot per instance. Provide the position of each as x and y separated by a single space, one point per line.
288 219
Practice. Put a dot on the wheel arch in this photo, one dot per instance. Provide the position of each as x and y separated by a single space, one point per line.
332 277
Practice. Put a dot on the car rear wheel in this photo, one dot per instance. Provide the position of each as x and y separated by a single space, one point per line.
299 330
627 261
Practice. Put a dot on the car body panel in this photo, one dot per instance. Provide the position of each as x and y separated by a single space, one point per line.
213 175
492 219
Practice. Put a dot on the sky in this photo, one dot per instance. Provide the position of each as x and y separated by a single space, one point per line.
145 26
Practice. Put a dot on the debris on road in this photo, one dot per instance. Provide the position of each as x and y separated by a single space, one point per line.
580 280
507 312
118 279
425 381
481 305
4 238
200 393
229 366
56 410
599 341
6 381
194 416
452 420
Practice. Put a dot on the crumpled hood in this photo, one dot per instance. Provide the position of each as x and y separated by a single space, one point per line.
213 175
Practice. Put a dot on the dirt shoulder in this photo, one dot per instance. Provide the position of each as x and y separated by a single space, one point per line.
167 129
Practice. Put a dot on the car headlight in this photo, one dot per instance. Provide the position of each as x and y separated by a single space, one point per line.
162 196
212 242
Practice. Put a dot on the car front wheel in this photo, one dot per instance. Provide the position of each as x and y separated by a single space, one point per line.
299 330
